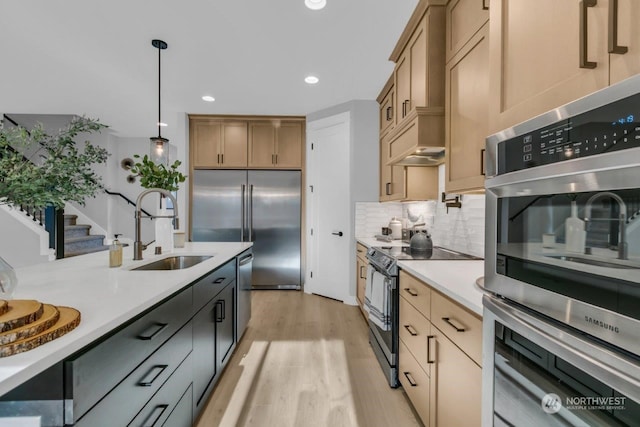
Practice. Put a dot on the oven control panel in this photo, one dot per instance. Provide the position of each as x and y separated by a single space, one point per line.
612 127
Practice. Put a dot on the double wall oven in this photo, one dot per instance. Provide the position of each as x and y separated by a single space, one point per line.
562 270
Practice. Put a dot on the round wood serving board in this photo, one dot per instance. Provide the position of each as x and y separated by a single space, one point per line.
69 319
49 317
4 306
21 312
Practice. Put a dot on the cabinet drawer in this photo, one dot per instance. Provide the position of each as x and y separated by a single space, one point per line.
462 327
414 330
416 292
94 373
210 285
125 401
415 382
361 252
161 406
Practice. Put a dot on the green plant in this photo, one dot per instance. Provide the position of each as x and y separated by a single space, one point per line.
56 173
157 175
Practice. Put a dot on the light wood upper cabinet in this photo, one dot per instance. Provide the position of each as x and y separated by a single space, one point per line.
466 117
463 19
392 178
628 35
536 61
387 107
419 58
217 144
275 144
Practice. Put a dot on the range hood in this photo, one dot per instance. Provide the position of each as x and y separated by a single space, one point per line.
431 156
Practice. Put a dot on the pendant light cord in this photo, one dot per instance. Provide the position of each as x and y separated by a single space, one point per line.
159 92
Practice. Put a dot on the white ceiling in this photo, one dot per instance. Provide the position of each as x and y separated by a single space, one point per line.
95 58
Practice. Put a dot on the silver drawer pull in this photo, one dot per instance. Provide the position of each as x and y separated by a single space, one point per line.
411 292
152 375
154 416
411 330
410 379
451 323
152 331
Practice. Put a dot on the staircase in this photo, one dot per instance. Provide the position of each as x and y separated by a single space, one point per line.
78 241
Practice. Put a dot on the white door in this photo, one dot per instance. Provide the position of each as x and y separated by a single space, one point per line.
329 224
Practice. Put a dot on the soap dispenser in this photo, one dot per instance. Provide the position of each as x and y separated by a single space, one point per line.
575 233
115 252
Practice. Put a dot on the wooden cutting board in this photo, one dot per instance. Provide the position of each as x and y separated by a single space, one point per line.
4 306
69 319
20 313
49 317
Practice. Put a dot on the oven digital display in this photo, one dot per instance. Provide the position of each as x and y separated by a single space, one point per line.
605 129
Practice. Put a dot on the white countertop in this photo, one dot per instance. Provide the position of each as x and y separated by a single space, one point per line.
106 298
372 241
454 278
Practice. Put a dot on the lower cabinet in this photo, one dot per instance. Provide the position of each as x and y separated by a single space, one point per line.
439 366
159 369
361 279
213 342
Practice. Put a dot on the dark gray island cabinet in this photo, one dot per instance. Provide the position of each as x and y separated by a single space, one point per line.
157 369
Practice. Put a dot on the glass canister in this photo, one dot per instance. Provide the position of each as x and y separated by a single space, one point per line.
8 280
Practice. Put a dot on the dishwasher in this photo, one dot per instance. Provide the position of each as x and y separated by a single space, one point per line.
245 263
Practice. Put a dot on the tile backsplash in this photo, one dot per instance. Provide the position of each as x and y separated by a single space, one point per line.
461 229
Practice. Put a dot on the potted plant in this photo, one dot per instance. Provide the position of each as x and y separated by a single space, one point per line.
157 175
57 172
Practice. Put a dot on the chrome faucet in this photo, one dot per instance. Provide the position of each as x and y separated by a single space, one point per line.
622 218
138 246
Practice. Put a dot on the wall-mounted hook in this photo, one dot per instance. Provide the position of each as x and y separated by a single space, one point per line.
456 202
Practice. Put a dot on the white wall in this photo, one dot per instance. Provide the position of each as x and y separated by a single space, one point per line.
22 243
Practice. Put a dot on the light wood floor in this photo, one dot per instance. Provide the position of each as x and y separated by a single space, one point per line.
305 361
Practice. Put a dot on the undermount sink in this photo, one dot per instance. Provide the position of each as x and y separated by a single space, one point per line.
178 262
596 262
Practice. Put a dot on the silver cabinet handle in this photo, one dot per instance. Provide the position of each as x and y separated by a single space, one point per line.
613 30
584 34
242 211
410 379
451 323
411 330
154 416
152 375
251 213
246 260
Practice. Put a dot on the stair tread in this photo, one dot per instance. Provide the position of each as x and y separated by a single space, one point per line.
76 226
84 238
86 251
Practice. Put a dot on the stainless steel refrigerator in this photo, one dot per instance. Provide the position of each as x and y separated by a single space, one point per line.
258 206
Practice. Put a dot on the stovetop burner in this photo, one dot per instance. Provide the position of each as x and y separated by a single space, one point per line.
404 253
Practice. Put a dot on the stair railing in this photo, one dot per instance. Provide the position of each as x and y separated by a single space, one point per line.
125 198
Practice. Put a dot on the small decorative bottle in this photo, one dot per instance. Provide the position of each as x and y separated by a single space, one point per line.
115 252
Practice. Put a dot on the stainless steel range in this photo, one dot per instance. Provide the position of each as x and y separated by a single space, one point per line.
383 261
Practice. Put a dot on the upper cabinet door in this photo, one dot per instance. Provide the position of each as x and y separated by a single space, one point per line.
624 33
205 141
536 62
233 152
464 19
466 115
418 54
386 111
403 86
262 139
289 137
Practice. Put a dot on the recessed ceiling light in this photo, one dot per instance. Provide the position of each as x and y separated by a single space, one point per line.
311 80
315 4
163 124
208 98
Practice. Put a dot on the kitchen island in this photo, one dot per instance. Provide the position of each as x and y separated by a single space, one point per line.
107 298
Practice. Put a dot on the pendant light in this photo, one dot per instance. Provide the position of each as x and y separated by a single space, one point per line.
159 146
